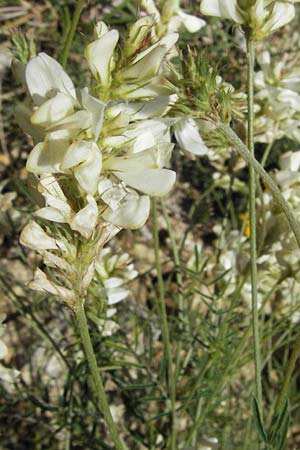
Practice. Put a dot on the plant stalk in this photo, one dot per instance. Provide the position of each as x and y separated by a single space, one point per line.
252 217
71 33
164 325
92 362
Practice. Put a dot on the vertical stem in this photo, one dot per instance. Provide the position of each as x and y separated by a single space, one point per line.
99 389
70 36
164 325
252 211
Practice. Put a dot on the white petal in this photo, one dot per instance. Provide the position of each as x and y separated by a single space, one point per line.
116 295
145 68
23 118
86 160
96 107
53 110
99 54
43 284
86 219
80 120
188 137
47 156
221 8
113 282
34 237
282 14
152 108
45 77
131 214
52 260
153 182
290 161
191 23
52 214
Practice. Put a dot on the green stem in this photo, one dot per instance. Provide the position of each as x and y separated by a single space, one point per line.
252 216
266 153
242 149
71 33
99 388
287 377
164 325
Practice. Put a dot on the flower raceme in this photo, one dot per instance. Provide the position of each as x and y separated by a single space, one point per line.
99 153
85 138
258 18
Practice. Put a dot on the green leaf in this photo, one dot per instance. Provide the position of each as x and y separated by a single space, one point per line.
258 421
279 428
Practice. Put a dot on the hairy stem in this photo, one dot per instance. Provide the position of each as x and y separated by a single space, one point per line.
71 33
92 362
252 216
164 325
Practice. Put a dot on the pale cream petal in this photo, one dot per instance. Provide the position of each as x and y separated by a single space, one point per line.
146 67
53 110
221 8
188 137
43 284
99 54
282 14
47 156
96 107
52 214
34 237
45 77
86 219
191 23
153 182
86 160
132 214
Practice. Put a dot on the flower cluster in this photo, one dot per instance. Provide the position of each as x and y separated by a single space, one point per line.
258 18
277 100
99 153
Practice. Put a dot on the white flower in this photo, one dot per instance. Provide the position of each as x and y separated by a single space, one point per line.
190 23
188 136
57 208
143 170
34 237
85 159
99 56
260 17
42 283
45 78
126 209
114 271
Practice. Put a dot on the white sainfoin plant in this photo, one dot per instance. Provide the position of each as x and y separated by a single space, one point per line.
99 153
